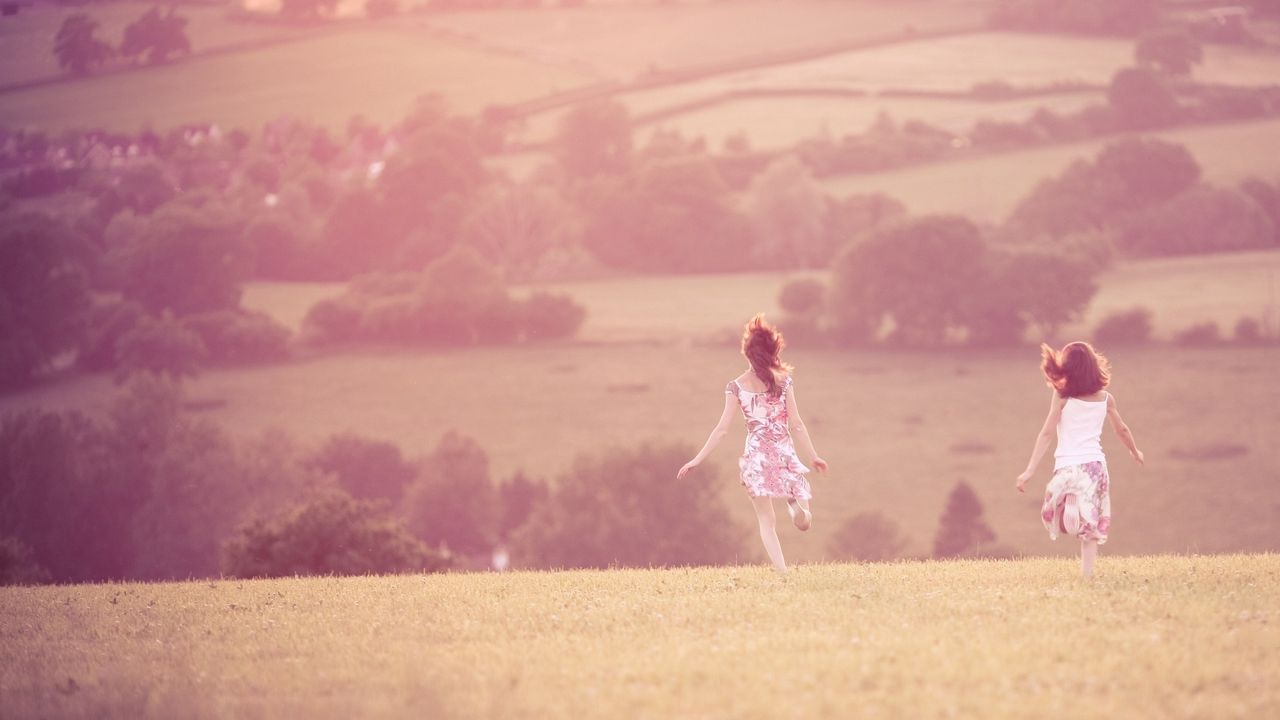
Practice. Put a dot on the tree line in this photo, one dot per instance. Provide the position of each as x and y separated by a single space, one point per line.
150 492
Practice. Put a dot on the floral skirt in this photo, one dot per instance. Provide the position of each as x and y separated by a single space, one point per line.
772 469
1091 486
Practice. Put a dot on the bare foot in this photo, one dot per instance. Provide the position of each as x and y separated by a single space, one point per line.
802 518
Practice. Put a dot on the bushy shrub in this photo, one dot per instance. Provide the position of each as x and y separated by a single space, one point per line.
803 297
1141 99
1201 220
108 322
1248 331
160 345
547 316
18 565
621 509
44 294
1125 327
332 321
457 300
239 336
367 469
867 537
330 535
962 530
452 502
1200 334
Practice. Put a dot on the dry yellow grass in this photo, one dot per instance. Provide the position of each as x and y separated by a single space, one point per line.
1158 637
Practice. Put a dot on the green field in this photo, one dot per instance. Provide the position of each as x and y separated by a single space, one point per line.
899 429
1151 637
1180 291
623 41
987 188
375 70
27 38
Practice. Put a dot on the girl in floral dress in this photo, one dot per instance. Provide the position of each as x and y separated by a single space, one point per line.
1077 500
769 466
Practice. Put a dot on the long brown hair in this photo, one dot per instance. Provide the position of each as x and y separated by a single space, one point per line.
762 344
1075 370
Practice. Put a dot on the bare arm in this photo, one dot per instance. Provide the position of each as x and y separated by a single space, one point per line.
721 429
1043 439
801 433
1122 430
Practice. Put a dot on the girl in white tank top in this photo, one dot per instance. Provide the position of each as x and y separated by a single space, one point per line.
1077 500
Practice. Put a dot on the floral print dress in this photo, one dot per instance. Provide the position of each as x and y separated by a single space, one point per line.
769 466
1091 485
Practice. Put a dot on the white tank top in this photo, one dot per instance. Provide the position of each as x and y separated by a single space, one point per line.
1080 432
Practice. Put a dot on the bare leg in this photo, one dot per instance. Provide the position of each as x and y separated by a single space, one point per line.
769 532
1088 554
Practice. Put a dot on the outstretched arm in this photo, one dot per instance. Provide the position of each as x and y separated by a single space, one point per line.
1126 435
721 429
1043 439
798 431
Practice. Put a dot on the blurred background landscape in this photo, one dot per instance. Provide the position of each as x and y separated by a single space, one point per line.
322 286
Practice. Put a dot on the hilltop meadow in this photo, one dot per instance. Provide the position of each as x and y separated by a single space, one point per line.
1159 637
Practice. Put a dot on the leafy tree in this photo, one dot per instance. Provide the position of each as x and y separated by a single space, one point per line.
157 36
366 469
18 565
1126 327
1028 287
107 323
867 537
239 336
77 48
44 295
961 529
515 228
595 138
914 274
437 162
160 345
184 259
357 236
1172 50
674 215
1141 100
1094 196
452 501
330 535
853 218
621 508
1202 220
788 214
1149 169
519 497
803 297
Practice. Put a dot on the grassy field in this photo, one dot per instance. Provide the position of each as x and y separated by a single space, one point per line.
376 71
624 41
899 429
1151 637
27 38
1179 291
988 188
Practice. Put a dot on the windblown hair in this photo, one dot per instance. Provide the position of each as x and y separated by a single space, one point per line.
1076 370
762 344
